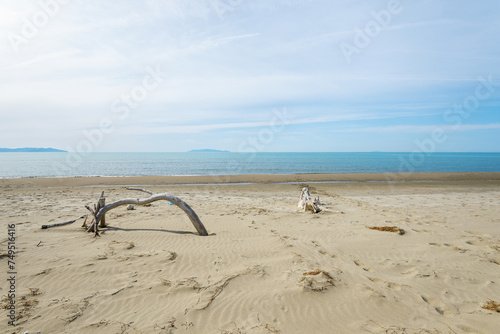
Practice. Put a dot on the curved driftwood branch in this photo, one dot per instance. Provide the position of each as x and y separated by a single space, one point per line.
99 211
156 197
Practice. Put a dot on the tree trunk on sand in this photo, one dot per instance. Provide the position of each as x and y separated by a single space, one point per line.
307 203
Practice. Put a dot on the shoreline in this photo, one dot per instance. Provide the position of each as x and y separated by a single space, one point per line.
248 179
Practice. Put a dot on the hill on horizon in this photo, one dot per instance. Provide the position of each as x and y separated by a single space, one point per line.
206 150
31 149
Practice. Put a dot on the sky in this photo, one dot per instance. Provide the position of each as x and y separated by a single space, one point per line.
250 76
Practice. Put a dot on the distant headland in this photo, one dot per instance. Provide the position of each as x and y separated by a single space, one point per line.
31 149
207 150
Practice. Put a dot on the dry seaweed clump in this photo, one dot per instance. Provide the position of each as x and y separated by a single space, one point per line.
492 306
24 306
317 280
393 229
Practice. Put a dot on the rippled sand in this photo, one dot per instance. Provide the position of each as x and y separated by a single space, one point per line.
265 267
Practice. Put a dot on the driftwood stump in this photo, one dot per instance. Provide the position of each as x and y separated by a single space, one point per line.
307 203
101 204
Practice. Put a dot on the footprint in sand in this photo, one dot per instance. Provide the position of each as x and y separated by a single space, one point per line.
479 234
461 250
390 285
439 306
321 250
362 265
426 231
480 242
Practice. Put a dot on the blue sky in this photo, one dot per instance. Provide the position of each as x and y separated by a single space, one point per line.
241 75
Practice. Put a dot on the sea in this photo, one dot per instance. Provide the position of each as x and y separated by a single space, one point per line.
74 164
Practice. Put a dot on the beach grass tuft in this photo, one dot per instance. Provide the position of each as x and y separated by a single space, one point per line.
393 229
492 306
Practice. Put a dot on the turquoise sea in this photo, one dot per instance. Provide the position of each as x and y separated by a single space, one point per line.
16 165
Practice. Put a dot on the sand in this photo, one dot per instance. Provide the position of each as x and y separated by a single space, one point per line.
265 267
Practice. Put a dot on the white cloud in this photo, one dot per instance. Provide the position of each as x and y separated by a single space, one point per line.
291 118
45 57
424 128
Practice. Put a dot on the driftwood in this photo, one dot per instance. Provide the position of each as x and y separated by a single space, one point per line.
307 203
100 204
62 224
100 210
93 212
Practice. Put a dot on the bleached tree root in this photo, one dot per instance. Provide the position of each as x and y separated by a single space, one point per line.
307 203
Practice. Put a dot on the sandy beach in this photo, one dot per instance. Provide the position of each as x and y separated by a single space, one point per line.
265 267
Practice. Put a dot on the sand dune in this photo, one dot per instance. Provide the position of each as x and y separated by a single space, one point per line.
264 268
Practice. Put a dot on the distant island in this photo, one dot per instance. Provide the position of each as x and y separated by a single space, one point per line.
206 150
30 149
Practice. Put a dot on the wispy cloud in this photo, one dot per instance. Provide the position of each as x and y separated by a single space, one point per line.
426 24
423 128
204 45
46 57
292 119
